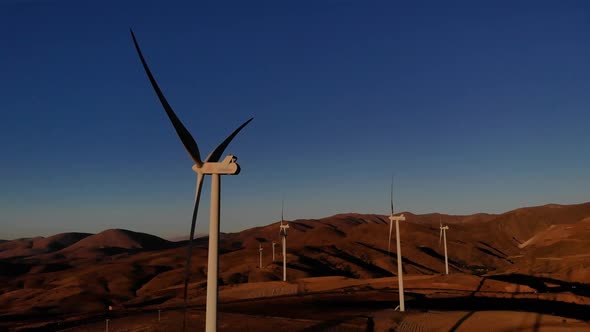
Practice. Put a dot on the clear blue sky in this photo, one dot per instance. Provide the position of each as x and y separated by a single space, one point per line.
475 106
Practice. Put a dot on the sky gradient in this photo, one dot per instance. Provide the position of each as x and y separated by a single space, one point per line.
474 106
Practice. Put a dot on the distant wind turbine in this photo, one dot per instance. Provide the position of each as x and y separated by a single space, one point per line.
283 233
400 279
273 250
260 250
211 166
443 235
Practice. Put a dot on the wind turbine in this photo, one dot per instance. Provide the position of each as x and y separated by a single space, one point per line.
273 250
400 279
260 250
211 166
283 233
443 234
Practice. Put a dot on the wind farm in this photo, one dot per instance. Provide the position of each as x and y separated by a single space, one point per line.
340 275
478 111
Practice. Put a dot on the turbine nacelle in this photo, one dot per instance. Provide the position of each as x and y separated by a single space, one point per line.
228 166
401 217
283 229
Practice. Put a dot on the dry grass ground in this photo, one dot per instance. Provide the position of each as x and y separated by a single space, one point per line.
343 304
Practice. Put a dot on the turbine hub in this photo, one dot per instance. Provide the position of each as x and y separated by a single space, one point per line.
284 229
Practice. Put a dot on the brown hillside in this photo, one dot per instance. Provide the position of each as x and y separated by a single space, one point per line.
20 248
119 238
130 269
59 241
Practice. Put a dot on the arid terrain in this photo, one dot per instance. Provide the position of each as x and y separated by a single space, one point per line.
526 269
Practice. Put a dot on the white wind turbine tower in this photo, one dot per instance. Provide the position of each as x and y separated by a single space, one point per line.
260 250
443 235
211 166
400 279
283 233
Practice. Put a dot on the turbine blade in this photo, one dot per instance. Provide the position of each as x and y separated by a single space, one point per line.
189 251
216 154
391 195
440 237
389 242
282 208
187 140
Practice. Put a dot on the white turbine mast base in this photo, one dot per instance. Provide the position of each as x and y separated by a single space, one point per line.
213 265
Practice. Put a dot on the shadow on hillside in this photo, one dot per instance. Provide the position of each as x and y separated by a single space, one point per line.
318 268
477 303
9 269
393 255
300 226
329 325
456 264
364 264
493 254
461 321
334 228
493 248
542 284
